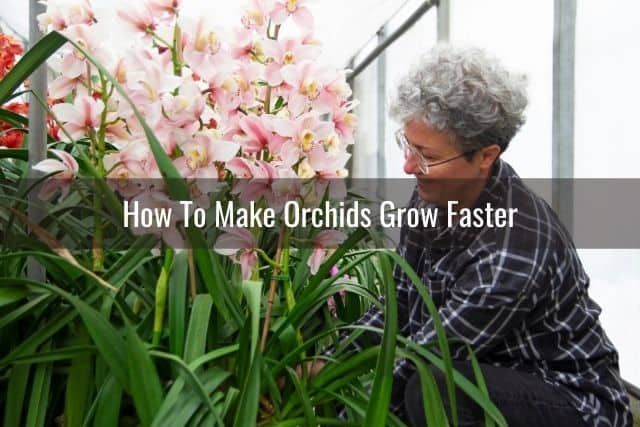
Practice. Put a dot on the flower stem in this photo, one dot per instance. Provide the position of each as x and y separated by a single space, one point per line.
161 295
192 274
272 292
98 144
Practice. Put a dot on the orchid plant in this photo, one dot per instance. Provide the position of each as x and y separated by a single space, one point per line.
188 110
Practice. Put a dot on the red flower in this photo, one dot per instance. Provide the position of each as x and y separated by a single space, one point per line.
9 49
9 136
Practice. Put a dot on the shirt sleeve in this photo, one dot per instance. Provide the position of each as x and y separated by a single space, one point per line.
491 297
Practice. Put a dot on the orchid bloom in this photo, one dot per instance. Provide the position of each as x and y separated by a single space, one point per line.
286 52
80 118
202 42
256 179
61 14
139 17
159 201
168 7
72 71
297 10
65 171
240 245
127 171
257 134
304 132
186 107
150 76
323 242
199 163
345 121
257 13
308 82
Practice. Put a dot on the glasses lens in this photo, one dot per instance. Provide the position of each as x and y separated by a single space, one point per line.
407 149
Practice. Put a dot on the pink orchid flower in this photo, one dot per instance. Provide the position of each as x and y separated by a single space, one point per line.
127 168
202 42
79 118
167 7
149 78
72 71
65 171
327 162
323 242
308 82
297 10
261 175
186 107
257 13
61 14
256 134
160 201
345 121
199 163
286 52
303 133
139 17
240 245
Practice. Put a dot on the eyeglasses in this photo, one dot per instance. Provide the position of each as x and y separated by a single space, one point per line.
423 164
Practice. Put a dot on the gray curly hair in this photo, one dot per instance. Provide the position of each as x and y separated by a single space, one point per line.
465 92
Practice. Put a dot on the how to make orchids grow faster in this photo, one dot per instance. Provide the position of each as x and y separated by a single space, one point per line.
180 322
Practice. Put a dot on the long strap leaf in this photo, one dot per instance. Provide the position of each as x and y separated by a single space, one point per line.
35 57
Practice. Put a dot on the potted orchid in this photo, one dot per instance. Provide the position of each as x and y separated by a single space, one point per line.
189 323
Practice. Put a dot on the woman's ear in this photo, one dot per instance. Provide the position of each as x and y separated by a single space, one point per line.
487 155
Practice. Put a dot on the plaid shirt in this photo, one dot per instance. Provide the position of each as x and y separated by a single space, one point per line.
517 295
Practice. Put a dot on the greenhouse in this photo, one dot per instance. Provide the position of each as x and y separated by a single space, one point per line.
319 213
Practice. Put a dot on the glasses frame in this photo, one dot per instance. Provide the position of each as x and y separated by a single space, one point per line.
423 164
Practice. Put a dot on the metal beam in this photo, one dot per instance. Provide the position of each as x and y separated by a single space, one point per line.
564 35
37 144
381 106
444 20
389 38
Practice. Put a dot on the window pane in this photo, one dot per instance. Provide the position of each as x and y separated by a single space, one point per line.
521 35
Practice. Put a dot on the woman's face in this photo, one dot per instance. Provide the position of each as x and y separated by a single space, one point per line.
454 180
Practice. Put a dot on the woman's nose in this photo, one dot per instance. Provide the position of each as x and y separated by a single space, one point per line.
411 166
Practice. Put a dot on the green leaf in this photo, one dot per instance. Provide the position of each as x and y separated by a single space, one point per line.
252 290
39 401
56 355
307 406
31 60
143 377
378 407
443 343
247 411
198 326
14 153
9 295
189 376
108 341
434 411
178 302
108 404
18 380
482 386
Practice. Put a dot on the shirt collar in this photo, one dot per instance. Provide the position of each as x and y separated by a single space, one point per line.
493 193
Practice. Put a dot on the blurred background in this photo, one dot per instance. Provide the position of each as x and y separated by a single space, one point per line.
581 59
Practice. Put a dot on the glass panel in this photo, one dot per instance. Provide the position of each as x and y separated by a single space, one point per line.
520 34
365 149
607 65
606 146
400 56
